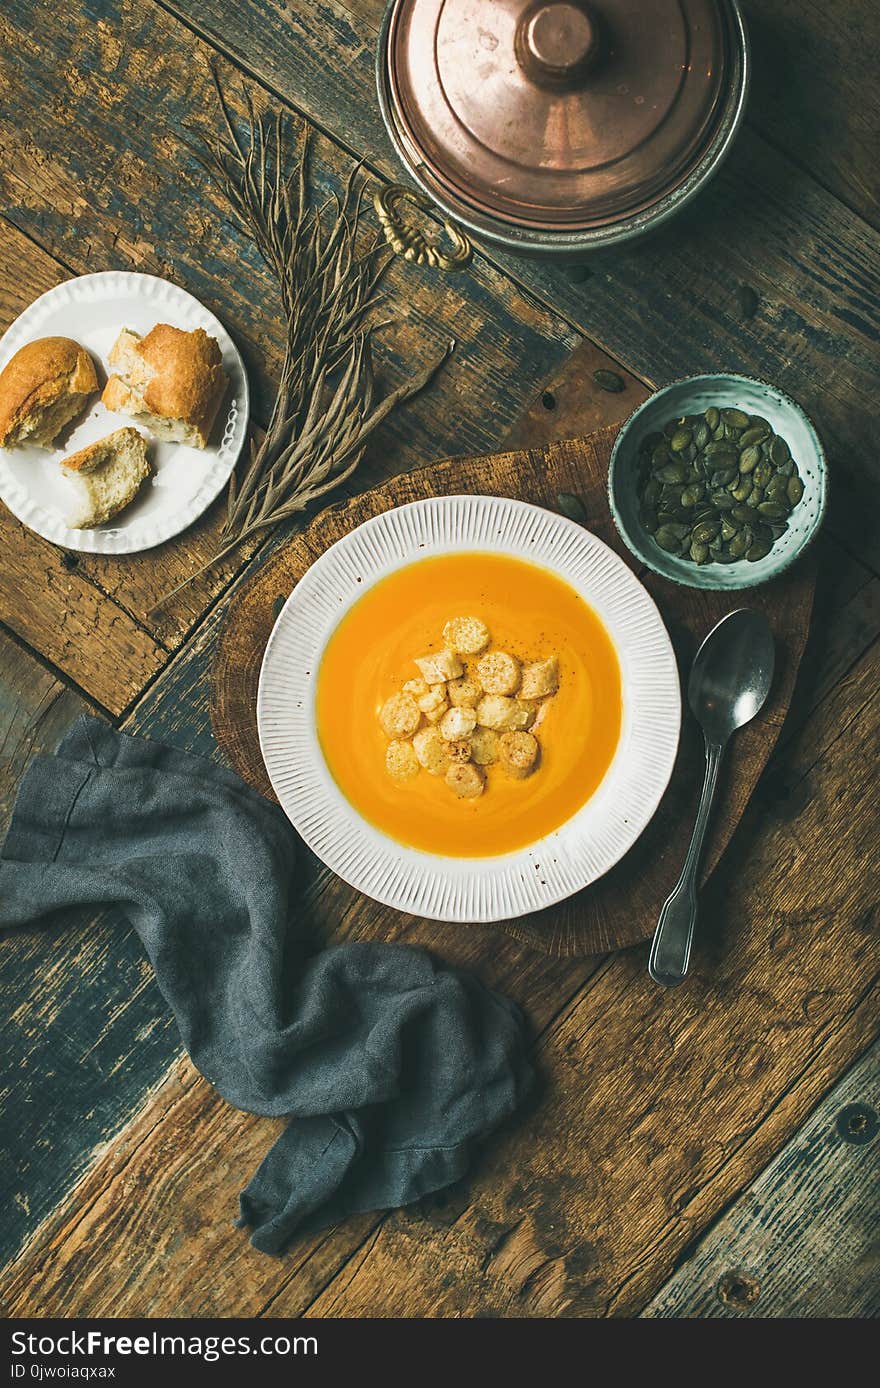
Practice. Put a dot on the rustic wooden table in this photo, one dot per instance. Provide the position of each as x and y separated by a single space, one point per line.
706 1152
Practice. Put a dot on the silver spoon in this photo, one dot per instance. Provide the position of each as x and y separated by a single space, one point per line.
730 680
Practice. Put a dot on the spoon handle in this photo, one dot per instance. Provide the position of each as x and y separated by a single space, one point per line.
671 947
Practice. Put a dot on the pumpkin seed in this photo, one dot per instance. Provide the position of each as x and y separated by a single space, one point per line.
743 491
728 530
786 469
749 458
672 472
738 546
701 433
680 440
779 450
669 537
651 491
759 550
723 476
660 455
571 506
691 495
738 419
757 432
722 500
705 531
609 380
762 474
699 553
741 514
712 417
795 490
772 510
755 496
725 557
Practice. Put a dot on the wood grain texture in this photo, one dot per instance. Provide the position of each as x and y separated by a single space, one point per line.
666 306
803 1239
621 909
813 91
632 1150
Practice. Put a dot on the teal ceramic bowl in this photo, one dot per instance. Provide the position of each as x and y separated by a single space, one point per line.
693 396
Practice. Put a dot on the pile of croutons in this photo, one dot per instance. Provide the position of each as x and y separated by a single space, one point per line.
470 708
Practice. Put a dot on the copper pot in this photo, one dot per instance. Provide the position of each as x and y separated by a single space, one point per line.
550 128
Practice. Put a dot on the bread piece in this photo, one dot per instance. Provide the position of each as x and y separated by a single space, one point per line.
466 635
436 669
466 780
171 380
401 761
458 722
460 750
431 750
484 746
498 672
399 716
42 388
464 693
108 476
503 714
433 703
518 754
540 679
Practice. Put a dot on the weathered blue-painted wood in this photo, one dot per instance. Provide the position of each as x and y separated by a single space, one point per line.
803 1240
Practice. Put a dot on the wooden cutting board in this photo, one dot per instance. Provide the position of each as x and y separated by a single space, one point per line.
621 909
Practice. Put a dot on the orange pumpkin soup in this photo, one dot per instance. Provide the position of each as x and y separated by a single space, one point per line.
531 614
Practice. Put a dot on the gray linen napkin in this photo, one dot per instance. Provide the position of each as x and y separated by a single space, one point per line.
390 1065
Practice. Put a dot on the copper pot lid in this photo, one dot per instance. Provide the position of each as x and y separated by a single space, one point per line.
565 114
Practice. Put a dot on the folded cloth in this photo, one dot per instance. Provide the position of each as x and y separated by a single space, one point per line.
390 1065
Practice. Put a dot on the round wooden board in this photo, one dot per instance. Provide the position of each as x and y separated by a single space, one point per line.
621 909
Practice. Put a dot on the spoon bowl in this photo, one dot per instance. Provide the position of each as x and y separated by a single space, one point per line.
731 674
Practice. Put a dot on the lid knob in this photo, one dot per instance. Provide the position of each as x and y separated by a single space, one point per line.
557 42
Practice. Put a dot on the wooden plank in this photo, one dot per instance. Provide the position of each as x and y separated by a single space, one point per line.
802 1240
667 307
814 94
574 1165
67 992
147 217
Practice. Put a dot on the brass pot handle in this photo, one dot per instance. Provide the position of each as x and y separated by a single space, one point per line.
408 240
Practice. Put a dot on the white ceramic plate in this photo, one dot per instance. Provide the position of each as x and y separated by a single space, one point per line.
471 889
185 481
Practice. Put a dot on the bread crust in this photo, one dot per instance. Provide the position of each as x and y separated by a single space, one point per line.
40 373
185 378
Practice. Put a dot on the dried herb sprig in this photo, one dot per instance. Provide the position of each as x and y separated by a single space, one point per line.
328 270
